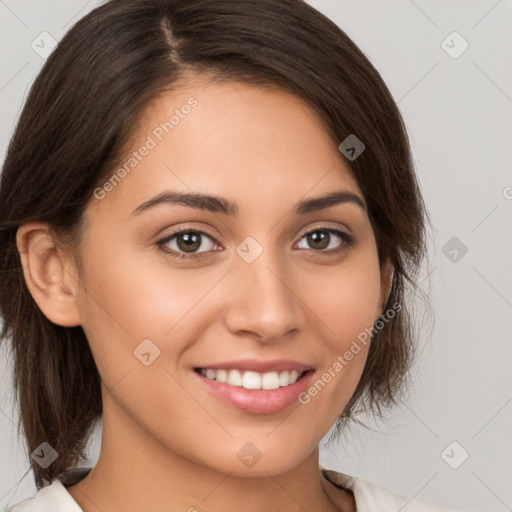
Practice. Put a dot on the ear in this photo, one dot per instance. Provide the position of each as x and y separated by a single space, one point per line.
386 283
49 274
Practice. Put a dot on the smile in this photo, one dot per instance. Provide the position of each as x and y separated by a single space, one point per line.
256 386
251 379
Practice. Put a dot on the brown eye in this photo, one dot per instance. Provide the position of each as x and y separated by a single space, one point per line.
186 243
189 241
318 239
321 239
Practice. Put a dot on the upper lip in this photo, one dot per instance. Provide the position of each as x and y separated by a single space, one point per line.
258 365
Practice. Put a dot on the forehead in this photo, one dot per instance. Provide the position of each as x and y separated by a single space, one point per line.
256 145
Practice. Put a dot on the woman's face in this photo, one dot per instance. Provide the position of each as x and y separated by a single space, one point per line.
256 283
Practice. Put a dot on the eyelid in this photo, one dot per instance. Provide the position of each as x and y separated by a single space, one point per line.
324 226
186 229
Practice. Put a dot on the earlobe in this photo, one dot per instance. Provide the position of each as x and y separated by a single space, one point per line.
47 275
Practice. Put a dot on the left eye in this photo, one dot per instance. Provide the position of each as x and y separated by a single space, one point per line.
321 238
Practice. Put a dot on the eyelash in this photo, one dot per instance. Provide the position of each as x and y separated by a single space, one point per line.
348 242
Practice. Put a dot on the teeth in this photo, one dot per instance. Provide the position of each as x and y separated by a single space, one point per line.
221 375
270 380
234 378
253 380
284 378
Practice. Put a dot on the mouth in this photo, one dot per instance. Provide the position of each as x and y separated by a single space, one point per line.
256 387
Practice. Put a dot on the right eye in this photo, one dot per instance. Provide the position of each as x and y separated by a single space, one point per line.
183 244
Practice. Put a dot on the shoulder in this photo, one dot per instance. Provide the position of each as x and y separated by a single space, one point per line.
371 497
53 497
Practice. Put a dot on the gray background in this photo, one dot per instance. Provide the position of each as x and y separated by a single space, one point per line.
459 116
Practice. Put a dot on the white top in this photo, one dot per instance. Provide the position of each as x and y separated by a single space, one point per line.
369 497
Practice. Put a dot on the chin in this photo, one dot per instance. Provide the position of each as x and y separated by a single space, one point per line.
258 458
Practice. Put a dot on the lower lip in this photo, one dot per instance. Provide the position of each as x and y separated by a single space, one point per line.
258 401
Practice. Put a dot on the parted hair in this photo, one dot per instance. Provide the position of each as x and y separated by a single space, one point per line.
80 114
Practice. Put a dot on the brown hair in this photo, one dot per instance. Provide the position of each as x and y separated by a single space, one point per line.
77 120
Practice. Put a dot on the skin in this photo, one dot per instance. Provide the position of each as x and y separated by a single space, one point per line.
170 443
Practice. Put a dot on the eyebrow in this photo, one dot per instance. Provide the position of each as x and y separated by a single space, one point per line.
217 204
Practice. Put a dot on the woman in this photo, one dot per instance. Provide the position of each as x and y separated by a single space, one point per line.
209 217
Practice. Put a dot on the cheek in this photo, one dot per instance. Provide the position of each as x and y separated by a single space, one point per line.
133 307
138 310
136 297
347 298
347 303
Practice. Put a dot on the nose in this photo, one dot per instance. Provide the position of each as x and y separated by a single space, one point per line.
262 302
